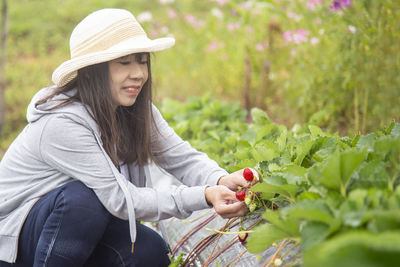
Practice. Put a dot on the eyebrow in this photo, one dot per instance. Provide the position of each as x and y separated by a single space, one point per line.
123 58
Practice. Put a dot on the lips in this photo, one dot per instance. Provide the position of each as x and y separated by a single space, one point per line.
132 89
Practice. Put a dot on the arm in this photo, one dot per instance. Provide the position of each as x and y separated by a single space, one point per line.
70 148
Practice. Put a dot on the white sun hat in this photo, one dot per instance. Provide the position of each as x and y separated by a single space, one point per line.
105 35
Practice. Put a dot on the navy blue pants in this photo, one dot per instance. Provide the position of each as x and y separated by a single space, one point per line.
70 227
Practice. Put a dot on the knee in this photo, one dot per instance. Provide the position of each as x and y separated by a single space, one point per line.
151 247
80 199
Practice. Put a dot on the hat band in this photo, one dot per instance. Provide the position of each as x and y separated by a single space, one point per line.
108 37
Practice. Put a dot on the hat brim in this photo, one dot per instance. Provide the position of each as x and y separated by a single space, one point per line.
67 71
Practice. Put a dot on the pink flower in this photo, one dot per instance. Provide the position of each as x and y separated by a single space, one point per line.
214 45
294 16
221 2
250 29
233 26
299 36
287 36
234 12
171 13
311 4
260 47
193 21
318 21
225 57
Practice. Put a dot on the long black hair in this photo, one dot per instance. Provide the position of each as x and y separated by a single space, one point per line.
126 131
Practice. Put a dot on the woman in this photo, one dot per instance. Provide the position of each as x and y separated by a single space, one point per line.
73 183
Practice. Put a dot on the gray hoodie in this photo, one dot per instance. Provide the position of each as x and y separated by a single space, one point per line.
64 144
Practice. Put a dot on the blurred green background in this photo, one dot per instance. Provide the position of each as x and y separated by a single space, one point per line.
299 60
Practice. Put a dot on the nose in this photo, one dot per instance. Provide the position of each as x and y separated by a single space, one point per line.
136 71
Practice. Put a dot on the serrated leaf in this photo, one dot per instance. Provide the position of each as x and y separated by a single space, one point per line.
266 153
331 172
294 174
250 136
356 249
313 233
349 162
263 237
396 130
287 190
315 131
289 225
302 150
309 210
259 116
214 135
281 140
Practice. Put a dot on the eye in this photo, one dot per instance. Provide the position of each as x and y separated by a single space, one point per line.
124 62
143 62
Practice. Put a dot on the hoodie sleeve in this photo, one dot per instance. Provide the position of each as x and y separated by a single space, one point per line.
71 148
179 158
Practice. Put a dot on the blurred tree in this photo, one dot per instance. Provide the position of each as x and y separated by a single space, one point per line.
3 65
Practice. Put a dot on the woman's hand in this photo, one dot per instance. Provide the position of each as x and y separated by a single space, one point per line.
235 179
224 201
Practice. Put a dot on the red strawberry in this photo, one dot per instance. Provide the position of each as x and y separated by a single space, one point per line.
240 195
242 237
248 174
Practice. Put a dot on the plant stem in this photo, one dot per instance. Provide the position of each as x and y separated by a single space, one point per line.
191 232
227 233
237 257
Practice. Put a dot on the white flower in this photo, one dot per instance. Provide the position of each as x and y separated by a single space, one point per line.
351 29
314 41
164 30
277 262
216 12
164 2
145 16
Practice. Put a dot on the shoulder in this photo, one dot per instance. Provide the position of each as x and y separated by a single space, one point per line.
66 128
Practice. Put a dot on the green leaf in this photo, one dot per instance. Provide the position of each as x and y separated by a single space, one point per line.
289 225
315 131
313 233
250 136
265 152
396 130
356 249
302 150
294 174
263 237
259 116
309 210
287 190
214 135
331 172
349 161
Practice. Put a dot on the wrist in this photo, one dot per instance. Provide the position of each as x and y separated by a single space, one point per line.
219 180
208 195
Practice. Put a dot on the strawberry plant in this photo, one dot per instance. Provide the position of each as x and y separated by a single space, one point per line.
337 198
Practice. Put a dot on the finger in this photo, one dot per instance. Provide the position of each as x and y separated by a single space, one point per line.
232 210
240 212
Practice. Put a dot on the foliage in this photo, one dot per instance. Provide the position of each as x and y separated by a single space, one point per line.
336 68
337 195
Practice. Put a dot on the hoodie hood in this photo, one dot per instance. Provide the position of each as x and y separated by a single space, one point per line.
82 114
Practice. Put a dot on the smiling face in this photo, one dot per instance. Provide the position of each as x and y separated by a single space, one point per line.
127 76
